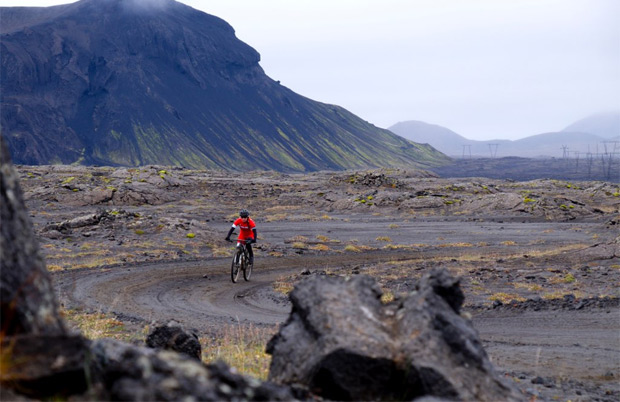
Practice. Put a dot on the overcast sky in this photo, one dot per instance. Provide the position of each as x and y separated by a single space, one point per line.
486 69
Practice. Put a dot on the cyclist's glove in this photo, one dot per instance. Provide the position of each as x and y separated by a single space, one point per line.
250 241
227 239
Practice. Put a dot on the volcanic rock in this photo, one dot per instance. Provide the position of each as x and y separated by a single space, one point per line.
343 343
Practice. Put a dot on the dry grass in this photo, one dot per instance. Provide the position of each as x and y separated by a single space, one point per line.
284 285
320 247
506 297
531 287
387 297
100 325
559 294
241 347
459 244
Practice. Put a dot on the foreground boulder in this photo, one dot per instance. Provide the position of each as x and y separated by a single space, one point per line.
39 357
130 373
343 343
28 304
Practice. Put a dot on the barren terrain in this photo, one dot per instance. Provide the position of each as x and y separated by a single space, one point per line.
539 261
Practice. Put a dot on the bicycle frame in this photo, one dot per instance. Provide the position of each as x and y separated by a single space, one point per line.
240 262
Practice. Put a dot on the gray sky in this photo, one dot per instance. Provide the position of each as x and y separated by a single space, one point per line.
486 69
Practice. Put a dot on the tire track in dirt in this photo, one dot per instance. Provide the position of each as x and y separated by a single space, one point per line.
547 343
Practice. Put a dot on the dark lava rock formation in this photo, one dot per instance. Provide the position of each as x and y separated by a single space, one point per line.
343 343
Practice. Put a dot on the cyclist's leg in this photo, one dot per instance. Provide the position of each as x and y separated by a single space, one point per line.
237 253
250 253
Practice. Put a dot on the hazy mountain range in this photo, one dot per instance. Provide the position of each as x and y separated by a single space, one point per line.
594 134
128 82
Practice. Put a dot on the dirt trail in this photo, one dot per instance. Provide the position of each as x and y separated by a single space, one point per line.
578 345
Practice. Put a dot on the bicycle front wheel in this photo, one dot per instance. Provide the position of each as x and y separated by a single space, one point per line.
247 272
235 267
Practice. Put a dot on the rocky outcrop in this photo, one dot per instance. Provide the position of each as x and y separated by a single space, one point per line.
343 343
28 302
39 357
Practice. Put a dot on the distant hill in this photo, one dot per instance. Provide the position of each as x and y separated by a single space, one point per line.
445 140
556 144
605 125
439 137
129 82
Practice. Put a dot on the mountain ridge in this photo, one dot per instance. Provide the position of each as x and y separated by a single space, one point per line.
111 82
552 144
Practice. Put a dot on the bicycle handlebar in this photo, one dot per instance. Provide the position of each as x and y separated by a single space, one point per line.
241 240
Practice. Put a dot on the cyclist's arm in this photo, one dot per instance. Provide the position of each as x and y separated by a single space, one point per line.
255 234
232 229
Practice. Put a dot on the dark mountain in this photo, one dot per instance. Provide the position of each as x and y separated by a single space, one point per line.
556 144
134 82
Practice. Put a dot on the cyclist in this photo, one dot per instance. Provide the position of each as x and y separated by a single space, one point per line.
247 232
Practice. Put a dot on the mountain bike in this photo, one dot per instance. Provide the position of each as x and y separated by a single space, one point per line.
241 262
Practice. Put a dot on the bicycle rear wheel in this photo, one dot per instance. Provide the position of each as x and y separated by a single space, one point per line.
247 271
235 267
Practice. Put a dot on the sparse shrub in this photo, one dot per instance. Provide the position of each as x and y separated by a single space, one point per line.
320 247
387 297
139 231
393 226
54 267
383 238
190 235
505 297
458 244
569 278
299 245
352 248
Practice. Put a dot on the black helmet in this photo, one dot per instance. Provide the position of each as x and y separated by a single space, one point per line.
244 213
